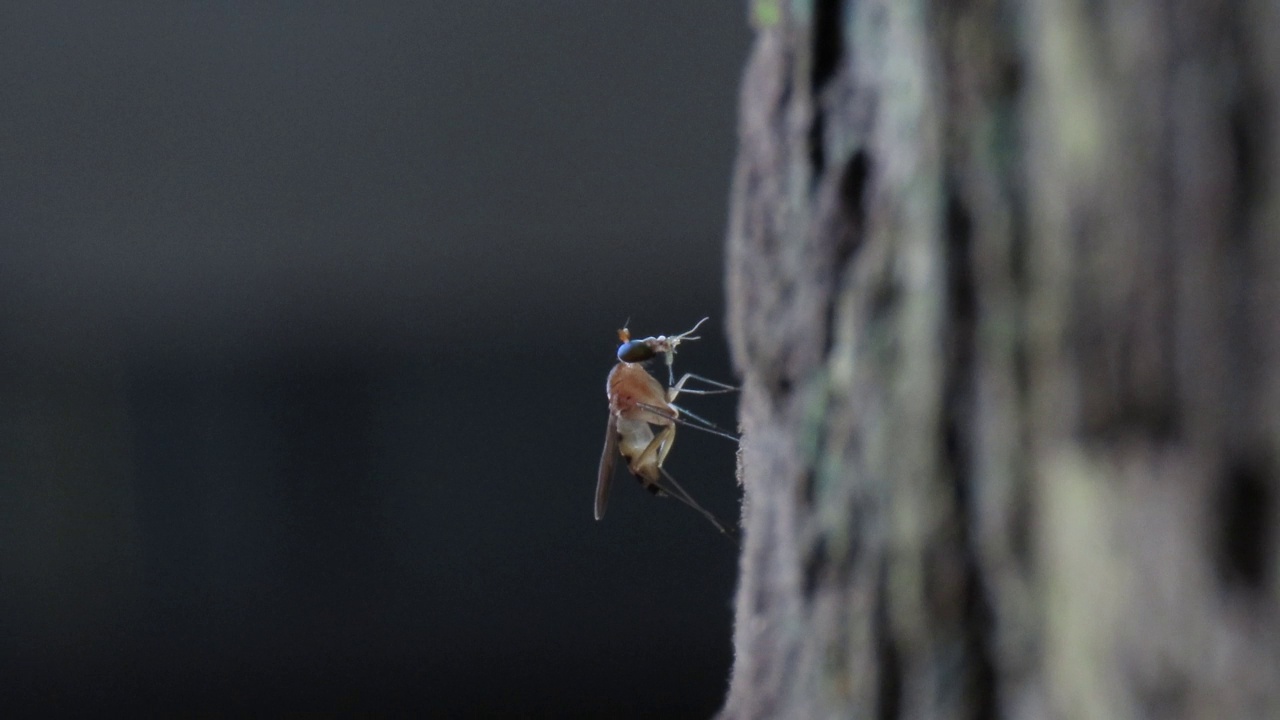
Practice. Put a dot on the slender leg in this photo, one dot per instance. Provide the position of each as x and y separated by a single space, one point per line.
668 436
673 489
683 417
702 424
675 389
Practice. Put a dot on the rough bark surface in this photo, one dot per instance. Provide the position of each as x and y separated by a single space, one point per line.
1004 291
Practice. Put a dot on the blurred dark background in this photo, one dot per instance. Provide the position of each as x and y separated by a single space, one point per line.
305 314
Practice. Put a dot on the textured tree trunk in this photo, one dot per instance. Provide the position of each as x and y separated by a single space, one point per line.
1004 290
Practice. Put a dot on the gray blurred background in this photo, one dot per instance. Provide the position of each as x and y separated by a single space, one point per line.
305 314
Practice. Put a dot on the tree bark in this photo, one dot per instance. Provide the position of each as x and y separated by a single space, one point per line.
1004 294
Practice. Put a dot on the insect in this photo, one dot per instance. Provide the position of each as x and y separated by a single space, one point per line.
637 404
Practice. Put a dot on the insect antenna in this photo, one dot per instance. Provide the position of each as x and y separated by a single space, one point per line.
688 334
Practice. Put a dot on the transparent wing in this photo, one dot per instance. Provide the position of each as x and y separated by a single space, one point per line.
607 458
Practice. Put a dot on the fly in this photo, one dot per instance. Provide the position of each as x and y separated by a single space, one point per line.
637 404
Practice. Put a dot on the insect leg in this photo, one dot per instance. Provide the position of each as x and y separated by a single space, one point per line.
679 493
700 423
676 388
646 463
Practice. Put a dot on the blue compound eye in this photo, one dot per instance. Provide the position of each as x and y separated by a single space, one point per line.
634 351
